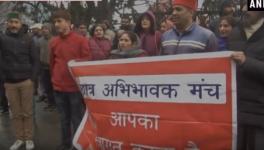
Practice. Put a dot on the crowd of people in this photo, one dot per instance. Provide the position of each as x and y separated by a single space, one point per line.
36 62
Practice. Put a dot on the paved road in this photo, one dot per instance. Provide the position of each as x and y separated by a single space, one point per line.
47 130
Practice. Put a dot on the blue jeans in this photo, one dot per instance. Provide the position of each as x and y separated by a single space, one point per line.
70 106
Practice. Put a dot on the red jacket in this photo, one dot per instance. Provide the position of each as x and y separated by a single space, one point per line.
100 48
63 49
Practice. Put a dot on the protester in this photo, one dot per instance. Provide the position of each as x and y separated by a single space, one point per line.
67 46
146 30
20 65
45 79
116 39
36 35
36 32
109 33
128 47
187 36
99 45
25 28
227 9
126 23
226 25
247 40
165 25
83 30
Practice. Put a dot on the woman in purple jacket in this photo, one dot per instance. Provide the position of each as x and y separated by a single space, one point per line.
100 46
226 24
146 30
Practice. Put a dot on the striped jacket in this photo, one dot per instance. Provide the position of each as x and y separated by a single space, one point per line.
195 39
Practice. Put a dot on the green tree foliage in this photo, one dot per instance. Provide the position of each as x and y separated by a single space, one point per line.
81 11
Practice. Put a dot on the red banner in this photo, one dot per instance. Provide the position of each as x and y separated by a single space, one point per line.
181 102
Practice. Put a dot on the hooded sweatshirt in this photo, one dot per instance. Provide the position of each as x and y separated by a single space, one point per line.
151 42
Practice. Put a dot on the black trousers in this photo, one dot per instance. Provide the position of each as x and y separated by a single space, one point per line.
3 99
45 80
250 137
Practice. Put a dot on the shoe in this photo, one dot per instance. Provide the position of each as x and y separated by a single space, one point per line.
46 108
29 145
39 98
63 147
73 148
17 145
4 111
52 108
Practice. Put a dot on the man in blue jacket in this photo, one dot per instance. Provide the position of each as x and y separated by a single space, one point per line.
186 36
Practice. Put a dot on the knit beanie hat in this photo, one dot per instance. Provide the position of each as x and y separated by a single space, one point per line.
192 4
13 15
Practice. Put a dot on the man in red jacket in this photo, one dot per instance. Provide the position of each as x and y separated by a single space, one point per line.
67 46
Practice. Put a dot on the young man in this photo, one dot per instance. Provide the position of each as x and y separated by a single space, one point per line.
20 65
67 46
248 42
187 36
126 23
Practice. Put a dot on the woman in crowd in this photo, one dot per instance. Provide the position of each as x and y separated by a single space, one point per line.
225 27
150 38
165 25
128 47
99 45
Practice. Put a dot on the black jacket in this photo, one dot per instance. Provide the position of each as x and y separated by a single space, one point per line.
19 57
250 75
